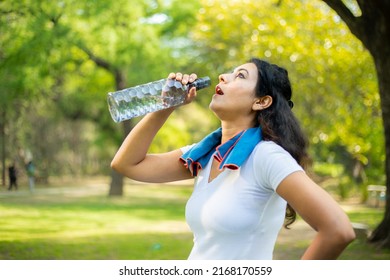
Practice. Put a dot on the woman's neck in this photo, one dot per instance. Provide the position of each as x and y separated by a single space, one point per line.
229 130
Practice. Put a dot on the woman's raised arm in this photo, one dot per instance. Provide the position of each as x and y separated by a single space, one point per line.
132 159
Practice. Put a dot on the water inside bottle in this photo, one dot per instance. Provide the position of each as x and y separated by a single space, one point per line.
140 100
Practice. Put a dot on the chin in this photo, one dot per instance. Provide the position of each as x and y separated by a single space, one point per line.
215 110
212 106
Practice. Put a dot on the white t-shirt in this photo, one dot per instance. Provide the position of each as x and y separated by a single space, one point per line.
238 215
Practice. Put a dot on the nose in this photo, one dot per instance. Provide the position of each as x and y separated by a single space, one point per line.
222 78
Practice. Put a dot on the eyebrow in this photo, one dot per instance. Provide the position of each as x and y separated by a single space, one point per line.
241 69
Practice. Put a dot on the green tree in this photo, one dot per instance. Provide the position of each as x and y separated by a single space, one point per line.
368 21
22 68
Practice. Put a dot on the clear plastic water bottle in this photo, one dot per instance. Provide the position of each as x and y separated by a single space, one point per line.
154 96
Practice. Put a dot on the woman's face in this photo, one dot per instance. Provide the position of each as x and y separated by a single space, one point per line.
235 93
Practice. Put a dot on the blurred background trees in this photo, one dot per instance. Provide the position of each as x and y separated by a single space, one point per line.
59 59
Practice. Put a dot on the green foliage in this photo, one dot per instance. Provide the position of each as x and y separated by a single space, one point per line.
189 125
50 75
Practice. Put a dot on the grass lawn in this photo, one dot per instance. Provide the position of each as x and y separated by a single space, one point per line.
80 222
83 223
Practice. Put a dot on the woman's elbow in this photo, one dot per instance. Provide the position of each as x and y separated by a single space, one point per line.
117 166
114 164
350 235
127 170
345 234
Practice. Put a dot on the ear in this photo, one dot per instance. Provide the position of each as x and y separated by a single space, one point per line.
262 103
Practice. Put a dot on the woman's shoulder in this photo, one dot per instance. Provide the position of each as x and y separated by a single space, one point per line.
269 147
269 152
272 163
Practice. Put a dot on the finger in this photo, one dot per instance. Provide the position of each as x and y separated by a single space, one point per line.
192 77
192 93
171 75
185 79
179 76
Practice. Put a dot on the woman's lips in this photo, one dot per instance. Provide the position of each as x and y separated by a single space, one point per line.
218 90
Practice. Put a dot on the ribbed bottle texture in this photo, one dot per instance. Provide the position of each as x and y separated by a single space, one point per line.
154 96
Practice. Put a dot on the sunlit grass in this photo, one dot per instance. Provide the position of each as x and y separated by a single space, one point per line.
109 246
147 223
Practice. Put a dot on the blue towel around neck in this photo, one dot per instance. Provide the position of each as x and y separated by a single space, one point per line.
231 154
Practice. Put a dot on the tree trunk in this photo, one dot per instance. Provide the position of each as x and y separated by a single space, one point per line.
3 151
381 235
116 185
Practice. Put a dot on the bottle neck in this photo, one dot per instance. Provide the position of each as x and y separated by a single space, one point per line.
201 83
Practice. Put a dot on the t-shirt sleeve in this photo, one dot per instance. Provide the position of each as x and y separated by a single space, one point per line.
272 164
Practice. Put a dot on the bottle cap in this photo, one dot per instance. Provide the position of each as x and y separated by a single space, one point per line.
201 83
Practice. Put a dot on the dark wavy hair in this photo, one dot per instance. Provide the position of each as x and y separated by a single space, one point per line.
277 122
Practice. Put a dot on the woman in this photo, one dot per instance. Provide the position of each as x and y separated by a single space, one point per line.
249 173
